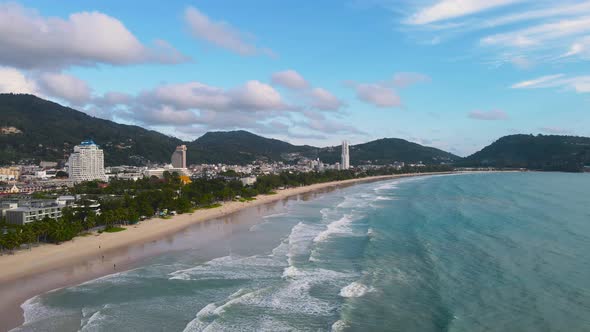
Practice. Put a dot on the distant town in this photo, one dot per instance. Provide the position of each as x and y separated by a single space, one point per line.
24 186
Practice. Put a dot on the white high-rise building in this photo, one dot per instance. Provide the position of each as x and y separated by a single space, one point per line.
345 156
86 163
179 157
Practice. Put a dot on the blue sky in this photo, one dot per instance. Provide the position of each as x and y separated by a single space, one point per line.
454 74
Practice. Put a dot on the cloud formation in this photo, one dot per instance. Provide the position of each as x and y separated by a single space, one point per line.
66 87
530 32
384 94
492 115
14 81
220 33
449 9
579 84
289 79
317 98
324 100
29 40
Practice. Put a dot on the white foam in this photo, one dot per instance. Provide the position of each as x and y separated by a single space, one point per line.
355 289
340 226
384 198
93 322
207 311
35 310
300 240
339 325
232 267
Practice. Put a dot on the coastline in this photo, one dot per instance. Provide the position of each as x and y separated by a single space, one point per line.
31 272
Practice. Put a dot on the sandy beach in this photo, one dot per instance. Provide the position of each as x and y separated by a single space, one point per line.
46 267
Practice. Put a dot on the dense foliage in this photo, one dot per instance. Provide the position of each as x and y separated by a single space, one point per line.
541 152
50 131
126 201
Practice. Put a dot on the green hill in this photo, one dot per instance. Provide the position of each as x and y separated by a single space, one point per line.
240 147
34 129
387 151
48 131
541 152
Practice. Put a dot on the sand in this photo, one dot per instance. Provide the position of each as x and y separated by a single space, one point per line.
31 272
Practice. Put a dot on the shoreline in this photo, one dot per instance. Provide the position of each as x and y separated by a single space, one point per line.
28 273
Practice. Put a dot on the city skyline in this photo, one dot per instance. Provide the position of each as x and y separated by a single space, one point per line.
455 79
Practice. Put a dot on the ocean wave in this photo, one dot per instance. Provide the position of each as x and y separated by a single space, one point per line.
339 326
355 289
300 240
384 198
92 319
232 268
340 226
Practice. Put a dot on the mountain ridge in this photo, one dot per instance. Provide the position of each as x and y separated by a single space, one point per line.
48 131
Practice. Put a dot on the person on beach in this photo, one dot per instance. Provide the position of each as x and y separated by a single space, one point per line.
114 266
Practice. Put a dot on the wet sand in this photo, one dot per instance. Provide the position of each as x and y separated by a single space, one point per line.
31 272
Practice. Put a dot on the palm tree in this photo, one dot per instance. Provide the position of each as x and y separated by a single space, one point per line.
28 234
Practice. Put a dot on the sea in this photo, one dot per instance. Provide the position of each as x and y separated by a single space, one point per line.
469 252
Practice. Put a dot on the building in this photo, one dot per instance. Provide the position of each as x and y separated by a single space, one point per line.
86 163
179 157
25 212
345 156
248 181
9 173
5 206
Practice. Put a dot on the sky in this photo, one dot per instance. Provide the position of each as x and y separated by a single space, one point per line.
453 74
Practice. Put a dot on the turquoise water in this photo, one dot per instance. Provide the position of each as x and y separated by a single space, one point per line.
477 252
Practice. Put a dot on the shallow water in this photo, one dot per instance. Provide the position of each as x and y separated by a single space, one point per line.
494 252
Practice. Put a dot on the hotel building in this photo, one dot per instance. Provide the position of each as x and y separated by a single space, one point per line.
86 163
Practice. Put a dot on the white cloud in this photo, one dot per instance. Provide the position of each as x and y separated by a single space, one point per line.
539 34
579 84
289 79
378 95
323 100
383 94
29 40
66 87
560 10
253 95
537 82
488 115
219 33
14 81
449 9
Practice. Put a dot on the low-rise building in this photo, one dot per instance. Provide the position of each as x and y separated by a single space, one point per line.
248 181
26 214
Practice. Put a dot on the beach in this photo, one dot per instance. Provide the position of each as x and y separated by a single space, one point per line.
46 267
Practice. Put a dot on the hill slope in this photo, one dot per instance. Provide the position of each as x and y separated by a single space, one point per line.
48 131
239 147
35 129
541 152
387 151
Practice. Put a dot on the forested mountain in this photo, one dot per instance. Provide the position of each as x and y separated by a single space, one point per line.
35 129
389 150
241 147
541 152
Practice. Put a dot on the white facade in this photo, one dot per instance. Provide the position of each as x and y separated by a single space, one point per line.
345 156
86 163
